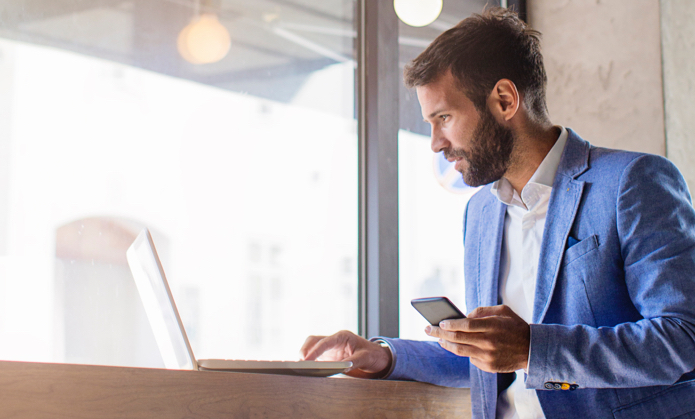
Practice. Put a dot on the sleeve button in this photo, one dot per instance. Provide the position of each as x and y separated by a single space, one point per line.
565 386
557 386
548 385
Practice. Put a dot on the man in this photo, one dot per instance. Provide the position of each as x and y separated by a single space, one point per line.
579 261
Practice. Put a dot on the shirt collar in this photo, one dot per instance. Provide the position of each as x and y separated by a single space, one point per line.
544 175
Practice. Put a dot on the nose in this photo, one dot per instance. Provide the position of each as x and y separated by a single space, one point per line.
438 142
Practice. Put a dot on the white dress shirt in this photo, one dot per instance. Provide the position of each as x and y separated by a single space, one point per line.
523 233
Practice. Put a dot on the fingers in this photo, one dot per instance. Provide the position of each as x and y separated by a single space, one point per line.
315 346
495 338
469 325
499 310
370 361
466 325
461 349
487 352
343 344
482 319
458 336
309 343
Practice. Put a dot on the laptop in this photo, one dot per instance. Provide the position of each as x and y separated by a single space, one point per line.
171 336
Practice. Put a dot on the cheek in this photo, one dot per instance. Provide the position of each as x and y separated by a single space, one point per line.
459 135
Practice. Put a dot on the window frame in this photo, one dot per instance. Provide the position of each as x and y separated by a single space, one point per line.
377 90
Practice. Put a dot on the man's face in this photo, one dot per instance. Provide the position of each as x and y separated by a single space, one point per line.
481 146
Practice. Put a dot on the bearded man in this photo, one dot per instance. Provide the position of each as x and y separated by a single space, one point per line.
579 260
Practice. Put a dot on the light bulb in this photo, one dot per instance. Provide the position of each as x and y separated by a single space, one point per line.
418 12
205 40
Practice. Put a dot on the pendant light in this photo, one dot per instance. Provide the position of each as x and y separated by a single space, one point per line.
205 40
418 12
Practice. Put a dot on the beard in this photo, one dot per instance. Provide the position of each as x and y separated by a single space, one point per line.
490 153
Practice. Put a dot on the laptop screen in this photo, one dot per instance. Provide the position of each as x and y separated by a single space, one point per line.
159 304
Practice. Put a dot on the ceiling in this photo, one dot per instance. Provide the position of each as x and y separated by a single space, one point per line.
276 44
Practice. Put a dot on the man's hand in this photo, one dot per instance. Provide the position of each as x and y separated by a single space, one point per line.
495 338
369 359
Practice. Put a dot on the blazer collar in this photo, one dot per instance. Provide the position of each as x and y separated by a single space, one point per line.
575 157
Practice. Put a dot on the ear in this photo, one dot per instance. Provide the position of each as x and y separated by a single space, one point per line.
504 100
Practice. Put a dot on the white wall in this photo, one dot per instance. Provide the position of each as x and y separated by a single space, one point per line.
678 43
603 60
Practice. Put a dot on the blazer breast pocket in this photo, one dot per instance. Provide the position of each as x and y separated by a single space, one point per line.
580 249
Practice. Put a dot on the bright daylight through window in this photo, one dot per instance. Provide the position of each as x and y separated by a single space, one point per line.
244 169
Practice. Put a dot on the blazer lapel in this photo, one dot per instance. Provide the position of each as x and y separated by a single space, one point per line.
562 209
490 238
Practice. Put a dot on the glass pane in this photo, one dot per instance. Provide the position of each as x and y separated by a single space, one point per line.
244 169
431 194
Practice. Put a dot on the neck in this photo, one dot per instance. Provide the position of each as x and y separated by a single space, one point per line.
531 147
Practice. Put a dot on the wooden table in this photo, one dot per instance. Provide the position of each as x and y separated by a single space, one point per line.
37 390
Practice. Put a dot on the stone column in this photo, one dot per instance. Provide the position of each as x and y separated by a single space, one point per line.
678 46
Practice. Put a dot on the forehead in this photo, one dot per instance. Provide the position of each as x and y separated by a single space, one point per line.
443 94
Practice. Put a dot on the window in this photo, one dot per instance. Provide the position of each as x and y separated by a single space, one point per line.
244 169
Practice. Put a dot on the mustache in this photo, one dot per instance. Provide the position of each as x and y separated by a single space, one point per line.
455 153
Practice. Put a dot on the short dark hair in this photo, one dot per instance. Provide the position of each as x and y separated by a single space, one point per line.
480 51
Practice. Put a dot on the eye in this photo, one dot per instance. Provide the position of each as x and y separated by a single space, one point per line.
444 117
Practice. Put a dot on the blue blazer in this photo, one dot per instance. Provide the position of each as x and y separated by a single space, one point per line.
614 310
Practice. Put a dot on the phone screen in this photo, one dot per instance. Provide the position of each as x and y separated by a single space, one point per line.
436 309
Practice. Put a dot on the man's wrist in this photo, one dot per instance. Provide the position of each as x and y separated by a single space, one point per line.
528 360
388 351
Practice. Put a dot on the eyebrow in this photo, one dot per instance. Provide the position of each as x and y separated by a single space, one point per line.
433 114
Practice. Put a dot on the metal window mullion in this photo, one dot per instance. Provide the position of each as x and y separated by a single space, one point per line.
518 5
378 76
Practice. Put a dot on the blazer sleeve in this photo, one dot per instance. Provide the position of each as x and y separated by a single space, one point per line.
427 362
656 229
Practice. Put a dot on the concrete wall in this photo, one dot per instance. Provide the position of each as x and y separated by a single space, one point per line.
678 44
603 59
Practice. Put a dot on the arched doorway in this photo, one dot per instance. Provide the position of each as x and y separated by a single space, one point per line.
99 315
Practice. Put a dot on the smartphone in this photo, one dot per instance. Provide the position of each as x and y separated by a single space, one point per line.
436 309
